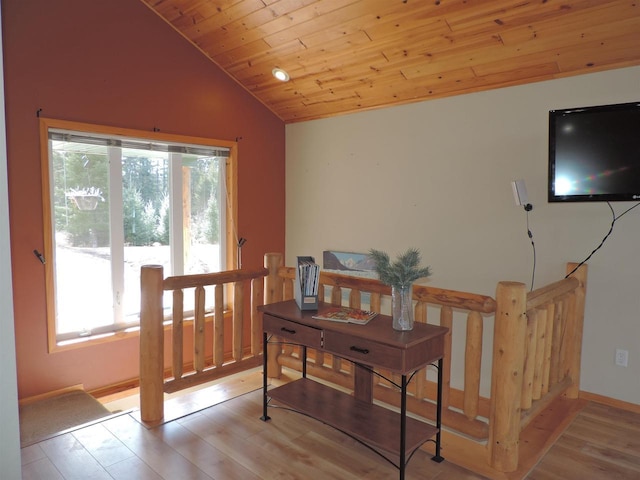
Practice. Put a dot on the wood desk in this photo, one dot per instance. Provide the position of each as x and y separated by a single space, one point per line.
370 347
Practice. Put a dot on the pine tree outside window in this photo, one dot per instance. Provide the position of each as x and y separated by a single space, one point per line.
119 199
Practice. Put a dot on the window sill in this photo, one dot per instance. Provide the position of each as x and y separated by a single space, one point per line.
93 340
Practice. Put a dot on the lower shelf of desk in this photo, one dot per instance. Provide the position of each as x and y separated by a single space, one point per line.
371 424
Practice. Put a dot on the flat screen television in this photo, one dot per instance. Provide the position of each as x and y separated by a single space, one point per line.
594 153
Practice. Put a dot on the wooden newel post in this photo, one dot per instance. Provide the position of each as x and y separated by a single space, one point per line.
151 344
272 282
575 329
507 372
273 293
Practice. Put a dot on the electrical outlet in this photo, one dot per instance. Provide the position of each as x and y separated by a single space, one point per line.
622 357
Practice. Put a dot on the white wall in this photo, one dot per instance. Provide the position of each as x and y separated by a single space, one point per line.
10 437
437 176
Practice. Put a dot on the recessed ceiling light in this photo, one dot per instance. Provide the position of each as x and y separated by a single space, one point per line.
280 74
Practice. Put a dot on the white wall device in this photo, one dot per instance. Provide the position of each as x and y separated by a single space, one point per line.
520 192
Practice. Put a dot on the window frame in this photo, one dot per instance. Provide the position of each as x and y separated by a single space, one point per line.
230 216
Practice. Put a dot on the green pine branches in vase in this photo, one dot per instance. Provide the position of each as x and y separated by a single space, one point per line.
403 271
400 275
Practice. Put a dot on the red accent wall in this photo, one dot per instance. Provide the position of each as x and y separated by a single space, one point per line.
116 63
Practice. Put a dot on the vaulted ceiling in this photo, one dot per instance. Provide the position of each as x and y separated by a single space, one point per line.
348 55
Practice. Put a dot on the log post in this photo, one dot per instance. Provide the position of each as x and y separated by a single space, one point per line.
272 282
575 327
151 344
273 293
506 378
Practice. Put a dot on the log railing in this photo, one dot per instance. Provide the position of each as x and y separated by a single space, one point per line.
231 349
464 410
536 357
537 340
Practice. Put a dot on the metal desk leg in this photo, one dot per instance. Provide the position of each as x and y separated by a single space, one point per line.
264 416
304 361
403 427
439 458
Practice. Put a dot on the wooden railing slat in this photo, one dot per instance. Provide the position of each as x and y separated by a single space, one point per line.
178 334
218 326
198 330
336 295
566 331
472 365
374 302
336 299
257 296
549 314
556 344
355 298
238 317
420 390
538 364
530 347
446 320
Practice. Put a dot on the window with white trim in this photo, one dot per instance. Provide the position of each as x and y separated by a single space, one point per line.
120 200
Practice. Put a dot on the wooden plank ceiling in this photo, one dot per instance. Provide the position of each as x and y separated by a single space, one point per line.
349 55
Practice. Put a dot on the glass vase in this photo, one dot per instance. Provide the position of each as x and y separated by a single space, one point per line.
402 307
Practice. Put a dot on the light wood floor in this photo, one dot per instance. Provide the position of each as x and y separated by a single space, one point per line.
228 441
601 443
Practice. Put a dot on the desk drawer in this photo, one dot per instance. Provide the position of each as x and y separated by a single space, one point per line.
293 332
363 351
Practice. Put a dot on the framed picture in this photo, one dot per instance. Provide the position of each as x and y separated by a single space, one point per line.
348 263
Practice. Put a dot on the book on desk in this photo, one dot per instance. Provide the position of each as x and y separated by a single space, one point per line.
346 315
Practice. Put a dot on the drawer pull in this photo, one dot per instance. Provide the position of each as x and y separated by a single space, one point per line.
288 330
360 350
